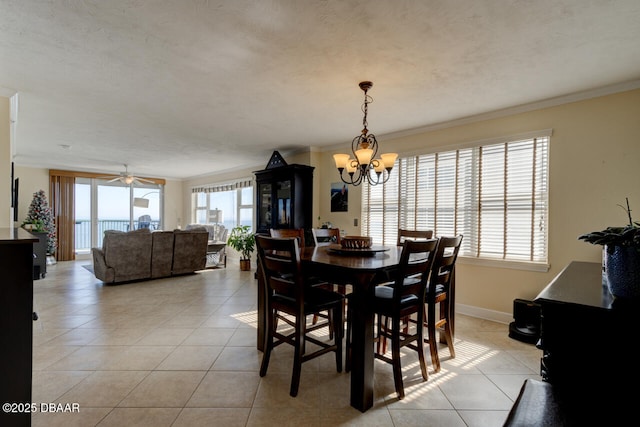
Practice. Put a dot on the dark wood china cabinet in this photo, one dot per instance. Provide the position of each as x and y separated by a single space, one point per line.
284 195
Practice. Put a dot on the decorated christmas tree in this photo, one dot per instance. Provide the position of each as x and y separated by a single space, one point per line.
41 216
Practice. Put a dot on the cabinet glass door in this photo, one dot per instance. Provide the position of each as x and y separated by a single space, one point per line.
265 207
283 195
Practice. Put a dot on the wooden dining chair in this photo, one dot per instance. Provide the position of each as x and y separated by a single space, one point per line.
325 236
404 234
286 292
437 297
299 233
401 299
289 232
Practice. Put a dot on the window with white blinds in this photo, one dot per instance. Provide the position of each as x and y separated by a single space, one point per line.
496 195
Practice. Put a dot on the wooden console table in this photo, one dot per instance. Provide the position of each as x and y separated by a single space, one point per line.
16 323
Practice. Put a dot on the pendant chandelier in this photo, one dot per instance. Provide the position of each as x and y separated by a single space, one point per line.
364 166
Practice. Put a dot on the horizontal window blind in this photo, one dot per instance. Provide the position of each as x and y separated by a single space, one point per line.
496 195
214 188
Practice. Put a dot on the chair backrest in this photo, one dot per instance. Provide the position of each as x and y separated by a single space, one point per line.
279 260
443 265
284 233
144 221
404 234
325 236
413 270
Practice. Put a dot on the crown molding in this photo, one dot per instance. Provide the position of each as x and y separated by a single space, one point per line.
504 112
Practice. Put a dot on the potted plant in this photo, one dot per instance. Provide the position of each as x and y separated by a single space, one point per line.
35 225
242 240
621 256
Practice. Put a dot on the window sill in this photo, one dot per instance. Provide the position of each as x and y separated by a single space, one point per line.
499 263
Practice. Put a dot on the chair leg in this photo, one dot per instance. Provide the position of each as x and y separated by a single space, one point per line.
447 329
420 347
268 343
338 336
347 364
395 357
331 327
433 341
382 342
297 357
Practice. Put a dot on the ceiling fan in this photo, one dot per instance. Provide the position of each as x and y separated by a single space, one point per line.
127 178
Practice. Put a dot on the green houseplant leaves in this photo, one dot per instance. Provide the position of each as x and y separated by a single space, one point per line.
242 240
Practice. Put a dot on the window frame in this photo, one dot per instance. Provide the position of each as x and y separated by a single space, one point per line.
205 195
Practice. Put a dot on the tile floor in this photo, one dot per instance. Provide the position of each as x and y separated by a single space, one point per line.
181 352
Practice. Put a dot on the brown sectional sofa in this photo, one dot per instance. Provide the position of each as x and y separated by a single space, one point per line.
143 254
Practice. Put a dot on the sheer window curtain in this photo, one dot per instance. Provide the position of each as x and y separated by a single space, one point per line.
62 190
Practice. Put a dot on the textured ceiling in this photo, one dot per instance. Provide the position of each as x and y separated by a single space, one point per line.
178 89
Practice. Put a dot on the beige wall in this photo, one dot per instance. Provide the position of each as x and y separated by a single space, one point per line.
6 213
32 180
173 216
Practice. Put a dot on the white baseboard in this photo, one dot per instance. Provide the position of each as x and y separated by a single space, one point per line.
483 313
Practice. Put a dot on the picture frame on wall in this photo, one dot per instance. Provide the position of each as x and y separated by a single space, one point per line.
339 197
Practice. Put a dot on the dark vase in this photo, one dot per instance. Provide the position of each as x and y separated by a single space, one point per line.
622 269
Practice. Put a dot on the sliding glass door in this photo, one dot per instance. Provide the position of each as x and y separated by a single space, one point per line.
101 205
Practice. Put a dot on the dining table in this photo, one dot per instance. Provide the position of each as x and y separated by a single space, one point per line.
363 270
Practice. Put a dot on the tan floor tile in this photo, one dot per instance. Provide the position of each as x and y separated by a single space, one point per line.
85 417
88 358
419 418
163 389
243 338
378 416
46 355
275 387
484 418
469 392
143 358
238 359
165 336
209 336
103 388
140 417
225 390
191 358
287 417
207 417
47 386
78 336
185 321
120 336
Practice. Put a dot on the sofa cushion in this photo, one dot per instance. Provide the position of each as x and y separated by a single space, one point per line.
128 253
189 250
161 253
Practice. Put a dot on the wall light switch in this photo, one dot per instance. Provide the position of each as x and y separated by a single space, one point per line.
355 222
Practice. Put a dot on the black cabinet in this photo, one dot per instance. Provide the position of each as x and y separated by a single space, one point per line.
16 324
284 195
40 254
589 342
